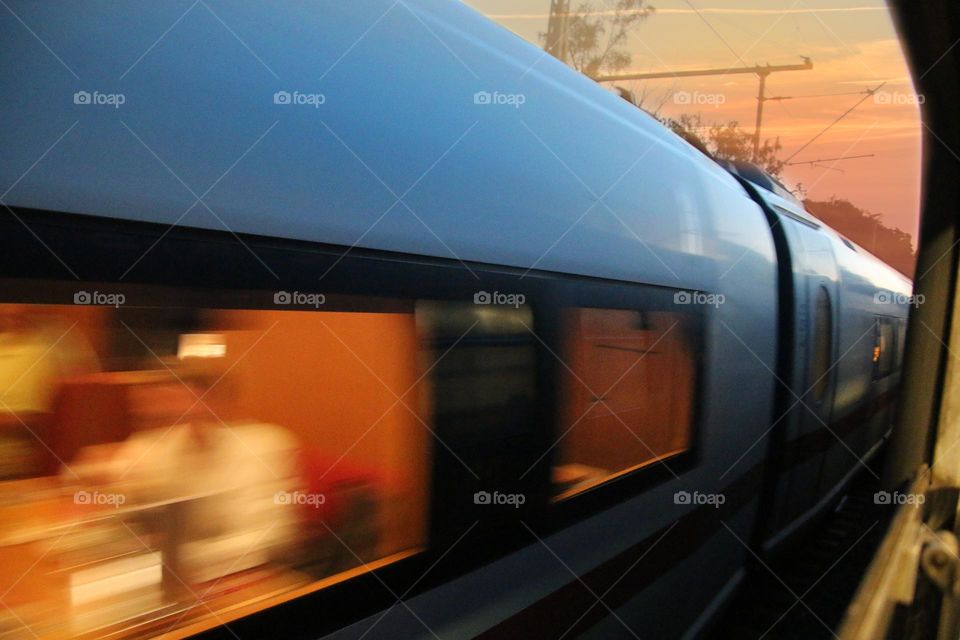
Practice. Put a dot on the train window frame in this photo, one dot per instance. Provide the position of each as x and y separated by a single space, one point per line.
214 269
461 476
209 263
629 482
140 296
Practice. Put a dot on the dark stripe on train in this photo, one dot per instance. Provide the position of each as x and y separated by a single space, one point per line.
814 443
558 612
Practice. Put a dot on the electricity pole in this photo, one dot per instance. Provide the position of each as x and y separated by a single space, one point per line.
761 71
556 40
761 98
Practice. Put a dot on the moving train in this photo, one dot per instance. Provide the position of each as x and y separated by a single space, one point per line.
533 365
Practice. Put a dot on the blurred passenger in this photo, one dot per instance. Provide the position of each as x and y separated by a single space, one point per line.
216 483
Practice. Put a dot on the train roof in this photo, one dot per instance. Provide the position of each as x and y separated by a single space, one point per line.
859 259
759 177
421 127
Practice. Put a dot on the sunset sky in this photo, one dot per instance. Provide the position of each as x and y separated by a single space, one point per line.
854 47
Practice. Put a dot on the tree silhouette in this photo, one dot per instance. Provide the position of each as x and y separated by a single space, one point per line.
890 244
592 40
727 141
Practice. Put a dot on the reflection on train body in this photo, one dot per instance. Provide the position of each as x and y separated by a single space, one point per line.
641 363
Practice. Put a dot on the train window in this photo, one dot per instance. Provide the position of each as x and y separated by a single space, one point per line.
885 347
150 455
822 345
629 394
484 400
485 368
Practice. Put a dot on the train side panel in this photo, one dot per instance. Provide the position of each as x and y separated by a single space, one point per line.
572 182
840 399
516 184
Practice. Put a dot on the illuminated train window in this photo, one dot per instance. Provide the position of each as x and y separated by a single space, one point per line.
164 463
629 395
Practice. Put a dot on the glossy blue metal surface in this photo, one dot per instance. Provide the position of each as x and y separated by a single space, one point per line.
393 154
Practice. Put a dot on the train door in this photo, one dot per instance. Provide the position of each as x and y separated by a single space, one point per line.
823 357
807 430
